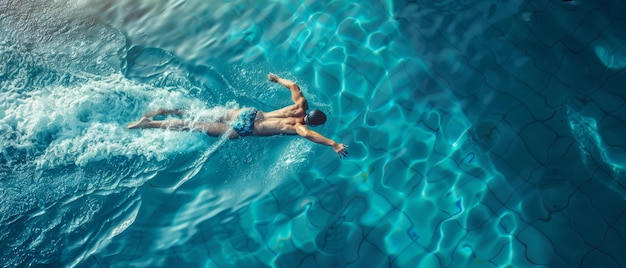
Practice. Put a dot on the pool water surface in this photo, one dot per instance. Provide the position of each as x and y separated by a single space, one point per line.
480 134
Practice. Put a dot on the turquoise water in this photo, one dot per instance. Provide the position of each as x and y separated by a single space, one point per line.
481 134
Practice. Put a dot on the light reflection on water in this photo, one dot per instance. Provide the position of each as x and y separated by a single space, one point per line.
423 185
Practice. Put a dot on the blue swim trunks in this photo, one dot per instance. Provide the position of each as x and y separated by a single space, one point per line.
245 122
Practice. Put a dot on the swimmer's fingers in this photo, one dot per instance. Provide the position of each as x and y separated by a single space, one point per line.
272 77
343 152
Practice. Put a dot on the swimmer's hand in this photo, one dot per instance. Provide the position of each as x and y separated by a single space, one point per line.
273 77
340 149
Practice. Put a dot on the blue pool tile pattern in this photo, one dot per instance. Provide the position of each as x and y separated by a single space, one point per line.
481 134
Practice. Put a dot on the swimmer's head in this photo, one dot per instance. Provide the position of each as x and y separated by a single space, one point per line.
314 118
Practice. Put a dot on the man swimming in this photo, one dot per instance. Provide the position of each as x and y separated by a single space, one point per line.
290 120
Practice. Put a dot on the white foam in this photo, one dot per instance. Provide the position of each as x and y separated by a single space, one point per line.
85 123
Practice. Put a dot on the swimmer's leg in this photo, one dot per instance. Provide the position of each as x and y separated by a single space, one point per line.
228 115
172 124
161 111
142 123
211 129
146 122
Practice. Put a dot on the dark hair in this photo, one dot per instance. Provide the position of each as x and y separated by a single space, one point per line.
315 118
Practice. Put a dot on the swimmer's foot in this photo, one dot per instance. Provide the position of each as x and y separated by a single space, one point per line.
139 124
158 112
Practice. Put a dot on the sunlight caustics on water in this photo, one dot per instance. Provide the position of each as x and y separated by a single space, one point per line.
481 134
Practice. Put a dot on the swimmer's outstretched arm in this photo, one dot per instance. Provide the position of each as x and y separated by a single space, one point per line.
313 136
296 93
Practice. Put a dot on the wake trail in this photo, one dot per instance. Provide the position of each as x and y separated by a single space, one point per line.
199 162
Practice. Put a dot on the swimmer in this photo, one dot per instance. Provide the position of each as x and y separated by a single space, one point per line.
291 120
